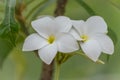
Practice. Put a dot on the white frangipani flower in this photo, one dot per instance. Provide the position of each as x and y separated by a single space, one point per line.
52 36
92 37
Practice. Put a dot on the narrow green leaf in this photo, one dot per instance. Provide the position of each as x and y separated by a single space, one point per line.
41 8
34 8
86 7
112 35
9 27
29 1
117 5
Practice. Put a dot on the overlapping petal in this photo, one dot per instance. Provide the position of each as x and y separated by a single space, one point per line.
93 30
105 43
47 26
80 26
48 53
64 23
34 42
66 43
75 34
92 49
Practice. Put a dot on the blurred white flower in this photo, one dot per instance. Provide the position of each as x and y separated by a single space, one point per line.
92 36
52 36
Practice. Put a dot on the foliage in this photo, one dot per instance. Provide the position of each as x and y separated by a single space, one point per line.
8 30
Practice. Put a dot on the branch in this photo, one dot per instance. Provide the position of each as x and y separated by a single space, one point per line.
60 8
47 70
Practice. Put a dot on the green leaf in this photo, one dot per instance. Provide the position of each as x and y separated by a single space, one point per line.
41 8
5 48
112 35
115 3
28 1
87 7
9 27
8 30
34 8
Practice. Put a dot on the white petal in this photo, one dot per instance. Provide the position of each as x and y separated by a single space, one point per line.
48 53
75 34
34 42
105 43
96 24
92 49
64 23
47 26
66 43
43 26
42 16
80 26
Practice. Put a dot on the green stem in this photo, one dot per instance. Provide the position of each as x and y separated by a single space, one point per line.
57 71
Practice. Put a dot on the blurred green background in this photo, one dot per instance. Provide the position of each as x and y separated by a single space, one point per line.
26 66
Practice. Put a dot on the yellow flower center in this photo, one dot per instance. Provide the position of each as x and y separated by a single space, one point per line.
51 39
84 38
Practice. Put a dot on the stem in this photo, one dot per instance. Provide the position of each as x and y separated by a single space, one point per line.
47 70
60 8
57 71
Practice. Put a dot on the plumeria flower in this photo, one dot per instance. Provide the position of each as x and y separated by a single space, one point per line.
51 37
92 37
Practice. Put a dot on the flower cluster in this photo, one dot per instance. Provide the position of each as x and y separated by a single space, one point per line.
63 35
